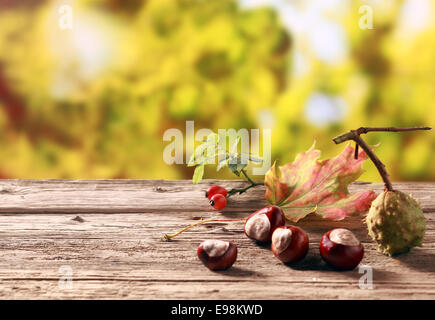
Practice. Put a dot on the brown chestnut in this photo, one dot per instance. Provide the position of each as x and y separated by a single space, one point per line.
217 254
289 243
262 223
341 249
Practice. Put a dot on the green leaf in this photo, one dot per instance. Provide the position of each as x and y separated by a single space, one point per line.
246 158
210 154
198 174
236 168
192 161
222 163
253 159
198 155
241 166
234 147
213 139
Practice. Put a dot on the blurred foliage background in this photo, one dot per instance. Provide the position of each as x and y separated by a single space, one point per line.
94 101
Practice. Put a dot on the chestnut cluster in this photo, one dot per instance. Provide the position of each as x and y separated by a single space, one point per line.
338 247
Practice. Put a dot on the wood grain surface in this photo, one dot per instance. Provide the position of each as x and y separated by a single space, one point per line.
108 233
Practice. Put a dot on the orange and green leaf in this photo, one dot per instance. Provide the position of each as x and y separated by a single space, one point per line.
309 185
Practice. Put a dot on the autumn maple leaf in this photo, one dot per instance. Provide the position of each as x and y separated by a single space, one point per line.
308 185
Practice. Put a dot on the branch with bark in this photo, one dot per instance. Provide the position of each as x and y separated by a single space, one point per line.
355 135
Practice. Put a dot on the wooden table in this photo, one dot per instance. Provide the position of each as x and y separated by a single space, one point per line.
105 235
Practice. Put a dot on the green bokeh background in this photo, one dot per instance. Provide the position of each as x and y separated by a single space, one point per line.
94 101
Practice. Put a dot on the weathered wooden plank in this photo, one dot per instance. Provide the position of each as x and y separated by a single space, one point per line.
121 255
105 196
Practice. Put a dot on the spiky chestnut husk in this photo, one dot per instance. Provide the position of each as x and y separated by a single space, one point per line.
396 222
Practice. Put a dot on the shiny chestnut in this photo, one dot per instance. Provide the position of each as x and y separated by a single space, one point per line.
289 243
341 249
217 254
262 223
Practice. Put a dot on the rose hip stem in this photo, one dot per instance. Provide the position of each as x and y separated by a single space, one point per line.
168 237
242 190
355 136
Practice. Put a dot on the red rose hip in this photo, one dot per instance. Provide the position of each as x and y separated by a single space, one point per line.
218 201
262 223
289 243
341 249
217 254
212 190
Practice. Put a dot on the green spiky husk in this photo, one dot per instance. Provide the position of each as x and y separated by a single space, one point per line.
396 222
